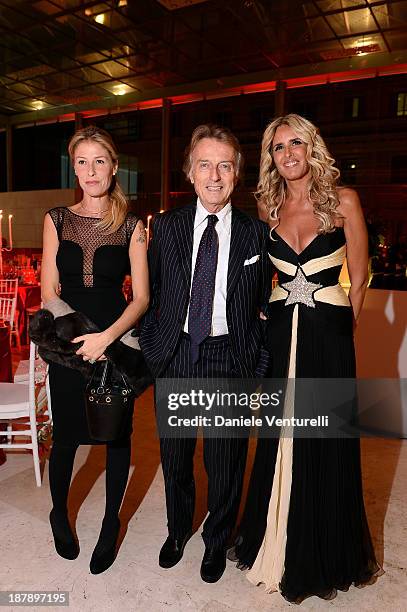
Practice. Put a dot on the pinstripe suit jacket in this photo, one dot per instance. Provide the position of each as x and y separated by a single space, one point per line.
248 287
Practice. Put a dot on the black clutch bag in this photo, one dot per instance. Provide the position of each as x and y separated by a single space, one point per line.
109 402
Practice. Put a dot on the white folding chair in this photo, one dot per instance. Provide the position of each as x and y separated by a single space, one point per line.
8 314
18 409
8 287
8 309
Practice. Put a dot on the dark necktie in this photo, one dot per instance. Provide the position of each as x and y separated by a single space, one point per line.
203 288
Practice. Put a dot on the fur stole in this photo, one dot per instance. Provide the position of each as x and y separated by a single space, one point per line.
53 337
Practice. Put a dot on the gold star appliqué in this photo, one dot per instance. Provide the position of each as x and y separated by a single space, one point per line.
300 290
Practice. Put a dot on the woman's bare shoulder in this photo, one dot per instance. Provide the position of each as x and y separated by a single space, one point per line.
349 201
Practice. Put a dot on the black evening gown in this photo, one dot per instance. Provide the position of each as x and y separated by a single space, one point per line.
92 266
304 530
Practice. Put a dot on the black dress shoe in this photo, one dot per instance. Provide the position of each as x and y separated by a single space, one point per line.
172 550
213 564
65 542
105 550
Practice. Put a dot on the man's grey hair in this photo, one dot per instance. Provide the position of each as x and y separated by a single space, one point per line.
222 134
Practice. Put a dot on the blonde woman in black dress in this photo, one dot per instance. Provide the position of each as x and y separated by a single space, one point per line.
304 530
88 249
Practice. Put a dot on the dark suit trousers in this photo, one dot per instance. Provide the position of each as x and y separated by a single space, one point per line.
224 459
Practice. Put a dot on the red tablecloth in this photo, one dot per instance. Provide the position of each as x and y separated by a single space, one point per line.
28 296
5 355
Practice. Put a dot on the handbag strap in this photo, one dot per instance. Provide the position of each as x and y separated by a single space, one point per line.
107 369
125 384
92 375
104 374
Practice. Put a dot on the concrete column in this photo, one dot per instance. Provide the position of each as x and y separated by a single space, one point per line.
280 107
78 189
165 154
9 157
78 121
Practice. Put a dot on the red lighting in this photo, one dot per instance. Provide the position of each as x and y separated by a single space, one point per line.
319 79
395 69
186 98
264 86
258 87
146 104
97 112
67 117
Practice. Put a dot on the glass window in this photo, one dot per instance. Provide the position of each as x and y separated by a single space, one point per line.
223 118
44 163
176 180
260 117
3 166
399 169
354 107
67 171
402 104
306 108
128 175
349 171
141 182
251 176
176 123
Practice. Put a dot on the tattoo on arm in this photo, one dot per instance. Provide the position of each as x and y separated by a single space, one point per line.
141 234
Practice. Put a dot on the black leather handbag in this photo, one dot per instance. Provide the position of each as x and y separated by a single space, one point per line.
109 402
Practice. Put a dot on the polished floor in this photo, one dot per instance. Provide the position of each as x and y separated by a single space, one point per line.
135 582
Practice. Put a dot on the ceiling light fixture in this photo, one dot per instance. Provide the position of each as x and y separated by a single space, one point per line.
365 45
120 90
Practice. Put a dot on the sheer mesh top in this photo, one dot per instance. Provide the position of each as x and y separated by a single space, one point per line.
95 264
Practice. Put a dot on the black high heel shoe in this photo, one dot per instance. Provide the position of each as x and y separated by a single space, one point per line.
105 550
65 542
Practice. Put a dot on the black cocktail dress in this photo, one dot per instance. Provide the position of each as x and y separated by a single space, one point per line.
92 266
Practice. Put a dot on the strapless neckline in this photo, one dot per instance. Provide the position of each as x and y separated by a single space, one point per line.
307 246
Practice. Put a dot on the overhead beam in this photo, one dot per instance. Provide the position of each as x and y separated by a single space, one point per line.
78 188
360 66
280 101
9 157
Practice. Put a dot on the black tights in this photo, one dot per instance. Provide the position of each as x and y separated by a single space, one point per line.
117 470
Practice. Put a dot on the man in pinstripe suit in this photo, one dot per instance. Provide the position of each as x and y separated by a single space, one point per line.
233 346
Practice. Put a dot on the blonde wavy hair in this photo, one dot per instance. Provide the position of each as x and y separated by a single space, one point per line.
117 211
324 176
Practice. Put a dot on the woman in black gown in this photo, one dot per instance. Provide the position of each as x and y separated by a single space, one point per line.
88 249
304 530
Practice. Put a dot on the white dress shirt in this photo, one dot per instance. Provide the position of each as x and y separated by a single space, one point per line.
223 229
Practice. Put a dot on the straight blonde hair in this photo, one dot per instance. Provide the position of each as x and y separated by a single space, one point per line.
322 189
118 208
